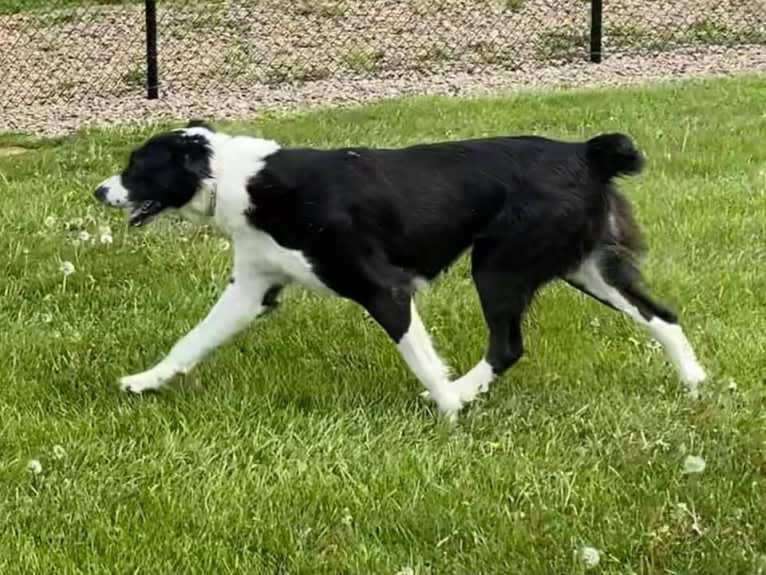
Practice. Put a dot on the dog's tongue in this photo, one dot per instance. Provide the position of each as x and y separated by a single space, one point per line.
142 212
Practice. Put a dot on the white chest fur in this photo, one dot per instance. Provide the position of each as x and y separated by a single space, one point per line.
236 161
258 252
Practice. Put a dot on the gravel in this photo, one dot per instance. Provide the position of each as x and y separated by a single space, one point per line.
60 118
76 68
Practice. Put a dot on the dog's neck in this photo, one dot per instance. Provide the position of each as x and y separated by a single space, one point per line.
201 207
226 153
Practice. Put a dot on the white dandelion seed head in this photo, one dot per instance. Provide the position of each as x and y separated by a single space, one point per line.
106 238
590 556
49 221
83 236
59 452
694 464
405 571
67 268
35 466
224 245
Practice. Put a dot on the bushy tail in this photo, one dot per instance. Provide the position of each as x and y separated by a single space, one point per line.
614 155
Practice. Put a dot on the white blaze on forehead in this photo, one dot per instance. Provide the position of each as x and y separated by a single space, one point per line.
195 131
116 194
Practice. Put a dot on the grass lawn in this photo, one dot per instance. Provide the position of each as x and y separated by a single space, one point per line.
17 6
303 447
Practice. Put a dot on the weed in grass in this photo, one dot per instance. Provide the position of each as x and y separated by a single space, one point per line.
514 5
435 56
321 8
134 77
562 45
362 60
429 7
283 73
709 32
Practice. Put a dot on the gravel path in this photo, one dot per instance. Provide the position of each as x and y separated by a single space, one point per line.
56 119
71 68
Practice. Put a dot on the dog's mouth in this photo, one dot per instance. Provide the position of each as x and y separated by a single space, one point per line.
143 212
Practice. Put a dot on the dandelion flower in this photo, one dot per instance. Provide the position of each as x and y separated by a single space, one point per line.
49 222
106 238
67 268
693 464
83 236
406 571
224 245
35 466
590 556
59 452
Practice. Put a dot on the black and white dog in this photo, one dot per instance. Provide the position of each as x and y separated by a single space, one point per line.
371 224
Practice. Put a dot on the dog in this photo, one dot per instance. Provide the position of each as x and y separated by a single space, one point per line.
371 225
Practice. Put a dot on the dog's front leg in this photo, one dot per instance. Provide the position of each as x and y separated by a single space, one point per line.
243 300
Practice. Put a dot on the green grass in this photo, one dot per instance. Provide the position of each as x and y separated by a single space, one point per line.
303 447
43 6
17 6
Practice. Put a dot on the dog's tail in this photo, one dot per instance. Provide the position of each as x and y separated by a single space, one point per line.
609 156
612 155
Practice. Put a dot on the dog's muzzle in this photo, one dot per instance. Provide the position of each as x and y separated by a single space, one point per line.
111 192
101 193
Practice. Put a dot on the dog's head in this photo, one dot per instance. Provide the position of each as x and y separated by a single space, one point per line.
170 170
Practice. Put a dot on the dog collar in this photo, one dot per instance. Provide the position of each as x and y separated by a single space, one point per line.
211 201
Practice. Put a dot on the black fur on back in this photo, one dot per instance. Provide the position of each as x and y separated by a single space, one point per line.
372 217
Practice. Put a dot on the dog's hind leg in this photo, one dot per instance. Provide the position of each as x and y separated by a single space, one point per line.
245 298
615 281
504 297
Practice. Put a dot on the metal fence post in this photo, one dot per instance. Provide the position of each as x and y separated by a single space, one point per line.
596 7
152 80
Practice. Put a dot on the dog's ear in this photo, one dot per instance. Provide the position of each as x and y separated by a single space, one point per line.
200 124
197 160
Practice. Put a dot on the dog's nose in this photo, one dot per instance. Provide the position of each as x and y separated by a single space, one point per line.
100 193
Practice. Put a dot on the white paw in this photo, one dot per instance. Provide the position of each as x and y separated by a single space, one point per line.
149 380
692 376
449 404
483 387
466 390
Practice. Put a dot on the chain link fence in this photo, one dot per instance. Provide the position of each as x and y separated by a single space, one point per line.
68 50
